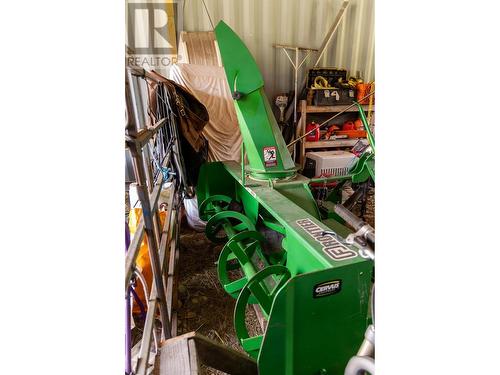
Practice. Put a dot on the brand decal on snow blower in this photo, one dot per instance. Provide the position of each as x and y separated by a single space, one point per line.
327 288
331 246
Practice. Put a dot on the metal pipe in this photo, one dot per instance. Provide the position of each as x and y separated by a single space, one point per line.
135 97
142 279
324 43
331 32
351 201
295 84
330 178
147 213
143 358
128 324
367 347
144 284
135 298
142 361
355 222
358 365
142 73
208 14
373 304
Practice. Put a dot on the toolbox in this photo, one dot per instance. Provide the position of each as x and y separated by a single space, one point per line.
332 75
333 96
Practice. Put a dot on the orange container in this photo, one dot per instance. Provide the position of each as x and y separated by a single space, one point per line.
348 125
363 89
358 124
352 133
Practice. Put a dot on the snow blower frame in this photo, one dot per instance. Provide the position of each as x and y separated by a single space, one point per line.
312 284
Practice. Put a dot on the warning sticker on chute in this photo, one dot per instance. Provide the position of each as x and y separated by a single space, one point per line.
270 156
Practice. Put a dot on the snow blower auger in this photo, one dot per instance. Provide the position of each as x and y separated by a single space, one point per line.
312 284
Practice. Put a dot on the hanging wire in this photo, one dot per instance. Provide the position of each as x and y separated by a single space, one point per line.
208 14
162 142
167 139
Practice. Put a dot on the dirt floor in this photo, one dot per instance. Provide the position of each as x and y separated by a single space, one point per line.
205 306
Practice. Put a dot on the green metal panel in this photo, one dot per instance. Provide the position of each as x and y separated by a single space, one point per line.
239 64
306 335
266 150
214 179
250 204
301 195
286 213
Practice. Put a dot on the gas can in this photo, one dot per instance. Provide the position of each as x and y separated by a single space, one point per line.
314 136
348 125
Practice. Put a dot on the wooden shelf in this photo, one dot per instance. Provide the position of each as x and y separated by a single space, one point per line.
333 143
306 109
333 108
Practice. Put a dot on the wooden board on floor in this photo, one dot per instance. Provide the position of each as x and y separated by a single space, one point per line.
175 359
184 355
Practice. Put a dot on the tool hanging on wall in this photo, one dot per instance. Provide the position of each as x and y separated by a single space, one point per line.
296 66
324 45
281 102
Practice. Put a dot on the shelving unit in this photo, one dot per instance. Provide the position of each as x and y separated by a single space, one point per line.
329 108
304 109
332 143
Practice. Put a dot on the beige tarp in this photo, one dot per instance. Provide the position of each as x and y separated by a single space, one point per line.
208 84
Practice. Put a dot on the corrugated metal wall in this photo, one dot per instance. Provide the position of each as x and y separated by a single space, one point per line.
260 23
